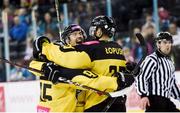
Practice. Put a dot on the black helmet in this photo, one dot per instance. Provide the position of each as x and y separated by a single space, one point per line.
71 28
106 23
164 35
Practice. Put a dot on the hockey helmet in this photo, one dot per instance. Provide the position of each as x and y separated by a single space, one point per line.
164 35
70 29
106 23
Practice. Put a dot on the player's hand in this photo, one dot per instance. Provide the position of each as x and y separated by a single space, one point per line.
51 72
144 102
124 80
130 66
37 47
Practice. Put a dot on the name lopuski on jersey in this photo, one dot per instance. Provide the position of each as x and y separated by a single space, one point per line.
112 50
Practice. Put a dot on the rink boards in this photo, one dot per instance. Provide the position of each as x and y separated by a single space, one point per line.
24 96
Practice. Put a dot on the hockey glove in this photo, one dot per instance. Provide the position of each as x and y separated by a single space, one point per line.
124 80
37 47
130 66
51 72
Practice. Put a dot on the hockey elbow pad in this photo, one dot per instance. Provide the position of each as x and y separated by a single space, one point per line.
37 46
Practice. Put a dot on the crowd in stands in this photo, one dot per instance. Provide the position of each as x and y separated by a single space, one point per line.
130 16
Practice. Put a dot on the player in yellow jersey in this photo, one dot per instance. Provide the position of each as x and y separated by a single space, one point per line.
62 97
107 58
102 57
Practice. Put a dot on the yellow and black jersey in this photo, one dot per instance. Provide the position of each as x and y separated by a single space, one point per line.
66 56
57 98
106 59
62 97
54 98
101 57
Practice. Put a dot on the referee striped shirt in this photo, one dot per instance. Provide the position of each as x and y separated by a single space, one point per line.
157 77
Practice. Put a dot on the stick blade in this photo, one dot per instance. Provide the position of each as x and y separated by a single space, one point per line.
141 39
143 44
122 92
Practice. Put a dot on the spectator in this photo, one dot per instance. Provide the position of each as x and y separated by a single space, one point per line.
23 16
18 37
164 19
19 30
49 25
149 21
174 30
39 31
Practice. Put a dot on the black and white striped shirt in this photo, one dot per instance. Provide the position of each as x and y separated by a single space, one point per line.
157 77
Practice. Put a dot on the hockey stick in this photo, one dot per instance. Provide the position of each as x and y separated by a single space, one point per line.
133 73
58 18
19 65
144 49
111 94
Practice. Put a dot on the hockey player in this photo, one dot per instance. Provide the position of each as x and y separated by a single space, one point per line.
53 97
102 57
107 58
60 97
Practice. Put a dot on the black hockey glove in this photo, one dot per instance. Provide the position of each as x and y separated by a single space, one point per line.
37 48
55 73
130 67
123 80
51 72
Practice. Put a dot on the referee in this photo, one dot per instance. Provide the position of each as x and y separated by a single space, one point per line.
156 82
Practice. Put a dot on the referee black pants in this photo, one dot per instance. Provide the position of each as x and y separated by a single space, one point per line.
161 104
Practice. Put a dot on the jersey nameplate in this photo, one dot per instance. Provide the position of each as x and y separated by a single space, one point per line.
111 50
